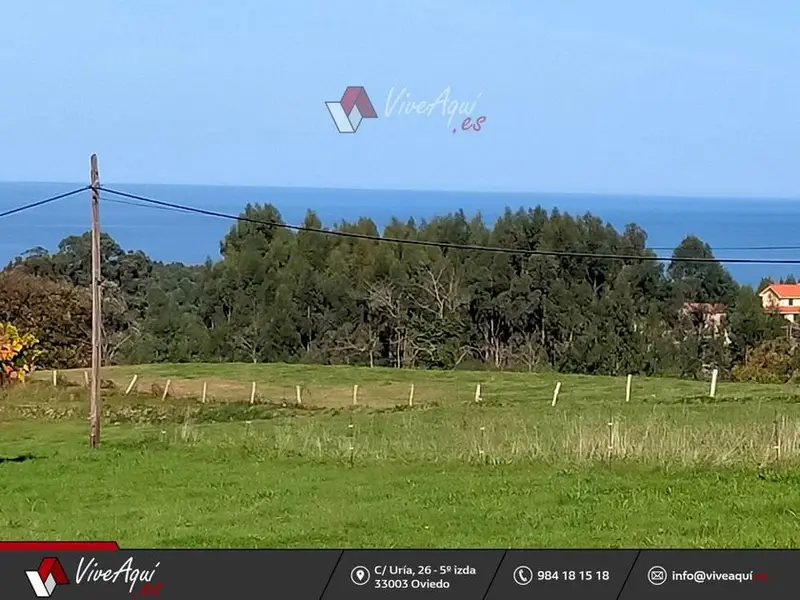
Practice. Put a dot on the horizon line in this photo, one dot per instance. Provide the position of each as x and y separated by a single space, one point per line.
514 192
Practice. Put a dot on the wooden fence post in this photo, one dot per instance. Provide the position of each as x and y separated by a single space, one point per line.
713 392
132 385
555 393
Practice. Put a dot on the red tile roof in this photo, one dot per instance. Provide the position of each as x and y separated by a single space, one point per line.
787 310
784 290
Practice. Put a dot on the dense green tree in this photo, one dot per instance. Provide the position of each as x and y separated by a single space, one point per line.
749 325
279 295
706 281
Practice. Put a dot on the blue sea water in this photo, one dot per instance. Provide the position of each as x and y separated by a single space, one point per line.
724 223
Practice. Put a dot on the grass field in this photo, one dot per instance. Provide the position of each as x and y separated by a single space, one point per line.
670 468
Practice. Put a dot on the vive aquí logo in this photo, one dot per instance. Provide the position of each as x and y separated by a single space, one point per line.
355 106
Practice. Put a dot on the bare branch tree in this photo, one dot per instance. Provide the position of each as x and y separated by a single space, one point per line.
361 339
443 294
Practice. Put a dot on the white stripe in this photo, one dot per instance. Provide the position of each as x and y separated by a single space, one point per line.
342 121
38 585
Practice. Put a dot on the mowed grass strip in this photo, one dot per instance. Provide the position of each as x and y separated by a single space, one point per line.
382 387
671 468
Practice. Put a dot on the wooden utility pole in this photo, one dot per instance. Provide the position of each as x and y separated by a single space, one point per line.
94 401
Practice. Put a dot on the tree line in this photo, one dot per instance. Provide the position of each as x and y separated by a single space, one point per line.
276 295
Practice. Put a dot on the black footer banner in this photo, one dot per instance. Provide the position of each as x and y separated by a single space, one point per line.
105 571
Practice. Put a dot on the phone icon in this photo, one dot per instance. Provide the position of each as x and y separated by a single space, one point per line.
523 575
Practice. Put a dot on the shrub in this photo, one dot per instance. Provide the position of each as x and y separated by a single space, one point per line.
18 354
57 313
774 361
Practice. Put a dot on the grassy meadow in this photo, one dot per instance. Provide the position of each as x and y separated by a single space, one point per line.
670 468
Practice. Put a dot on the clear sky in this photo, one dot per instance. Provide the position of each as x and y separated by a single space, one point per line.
692 97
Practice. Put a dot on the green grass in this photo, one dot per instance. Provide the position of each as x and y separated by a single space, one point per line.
672 468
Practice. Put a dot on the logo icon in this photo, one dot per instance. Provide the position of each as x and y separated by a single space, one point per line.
45 579
354 107
657 575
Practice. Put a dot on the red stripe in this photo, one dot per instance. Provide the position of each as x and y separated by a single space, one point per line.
59 546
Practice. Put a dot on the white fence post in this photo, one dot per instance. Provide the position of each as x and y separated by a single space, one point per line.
555 393
714 374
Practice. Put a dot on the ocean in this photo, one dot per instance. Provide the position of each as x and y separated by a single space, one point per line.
727 224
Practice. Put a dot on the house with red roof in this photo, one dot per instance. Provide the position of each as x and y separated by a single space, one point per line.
783 298
708 317
709 314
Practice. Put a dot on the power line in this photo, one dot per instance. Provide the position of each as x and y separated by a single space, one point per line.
738 248
444 245
141 205
19 209
190 210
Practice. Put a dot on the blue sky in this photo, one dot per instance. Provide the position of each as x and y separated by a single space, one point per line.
681 97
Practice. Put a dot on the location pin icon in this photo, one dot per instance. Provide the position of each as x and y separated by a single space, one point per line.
359 575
